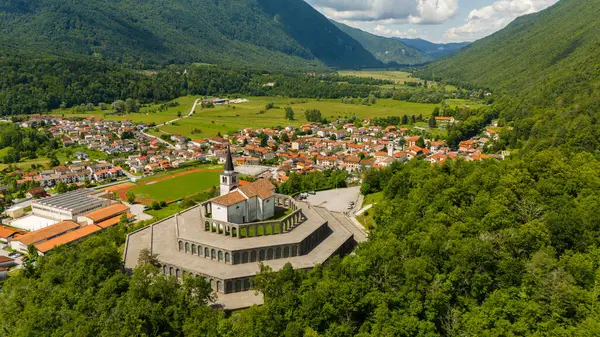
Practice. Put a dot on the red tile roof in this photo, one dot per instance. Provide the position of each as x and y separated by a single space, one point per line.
48 232
75 235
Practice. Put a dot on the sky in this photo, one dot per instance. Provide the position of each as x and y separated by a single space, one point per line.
434 20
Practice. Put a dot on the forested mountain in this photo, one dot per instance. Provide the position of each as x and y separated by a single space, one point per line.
286 33
548 55
386 50
435 50
544 70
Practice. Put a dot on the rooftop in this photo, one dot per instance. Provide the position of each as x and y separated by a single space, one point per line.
75 235
48 232
107 212
72 201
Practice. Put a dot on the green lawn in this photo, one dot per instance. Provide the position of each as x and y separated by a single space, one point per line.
66 154
232 118
373 198
165 211
185 104
27 163
177 187
226 119
398 77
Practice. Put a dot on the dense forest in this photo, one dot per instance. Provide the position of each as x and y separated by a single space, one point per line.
250 32
543 71
39 85
464 249
17 143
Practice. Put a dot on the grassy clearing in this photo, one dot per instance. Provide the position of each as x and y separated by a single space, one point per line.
177 187
373 198
227 119
165 211
27 163
398 77
144 116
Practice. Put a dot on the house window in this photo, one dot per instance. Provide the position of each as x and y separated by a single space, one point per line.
237 207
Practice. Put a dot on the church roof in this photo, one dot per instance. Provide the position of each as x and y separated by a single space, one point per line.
229 199
261 188
229 161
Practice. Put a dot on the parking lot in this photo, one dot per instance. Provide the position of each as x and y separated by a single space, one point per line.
335 200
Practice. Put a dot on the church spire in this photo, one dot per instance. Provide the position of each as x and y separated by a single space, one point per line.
228 161
229 178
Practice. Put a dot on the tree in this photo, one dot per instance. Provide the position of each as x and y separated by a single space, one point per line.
124 220
130 197
118 106
132 105
285 138
61 187
420 142
432 122
127 135
313 115
155 206
147 258
289 113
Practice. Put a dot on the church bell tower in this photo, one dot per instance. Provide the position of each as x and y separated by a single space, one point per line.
229 178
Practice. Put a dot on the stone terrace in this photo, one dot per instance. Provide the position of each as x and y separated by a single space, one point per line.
231 278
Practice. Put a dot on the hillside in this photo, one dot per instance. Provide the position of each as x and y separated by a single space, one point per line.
435 50
544 69
264 32
386 50
550 57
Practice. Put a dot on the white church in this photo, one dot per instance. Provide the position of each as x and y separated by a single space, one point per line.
242 204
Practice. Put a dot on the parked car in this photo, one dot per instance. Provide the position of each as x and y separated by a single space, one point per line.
5 246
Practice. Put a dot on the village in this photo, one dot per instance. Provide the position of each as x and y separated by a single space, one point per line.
310 147
129 153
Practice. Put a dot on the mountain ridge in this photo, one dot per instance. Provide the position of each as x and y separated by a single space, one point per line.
386 50
435 50
250 32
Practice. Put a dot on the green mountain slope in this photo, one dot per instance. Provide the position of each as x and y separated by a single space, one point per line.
435 50
386 50
550 58
266 32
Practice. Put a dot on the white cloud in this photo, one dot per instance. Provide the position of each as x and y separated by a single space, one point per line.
413 11
433 12
391 32
484 21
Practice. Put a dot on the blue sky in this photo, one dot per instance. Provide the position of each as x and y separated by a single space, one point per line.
433 20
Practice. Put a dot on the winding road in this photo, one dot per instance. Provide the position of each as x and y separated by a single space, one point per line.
169 145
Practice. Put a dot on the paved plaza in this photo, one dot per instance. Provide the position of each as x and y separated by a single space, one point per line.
335 200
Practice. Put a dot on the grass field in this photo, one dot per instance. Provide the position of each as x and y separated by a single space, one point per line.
185 104
226 119
232 118
27 163
177 187
398 77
